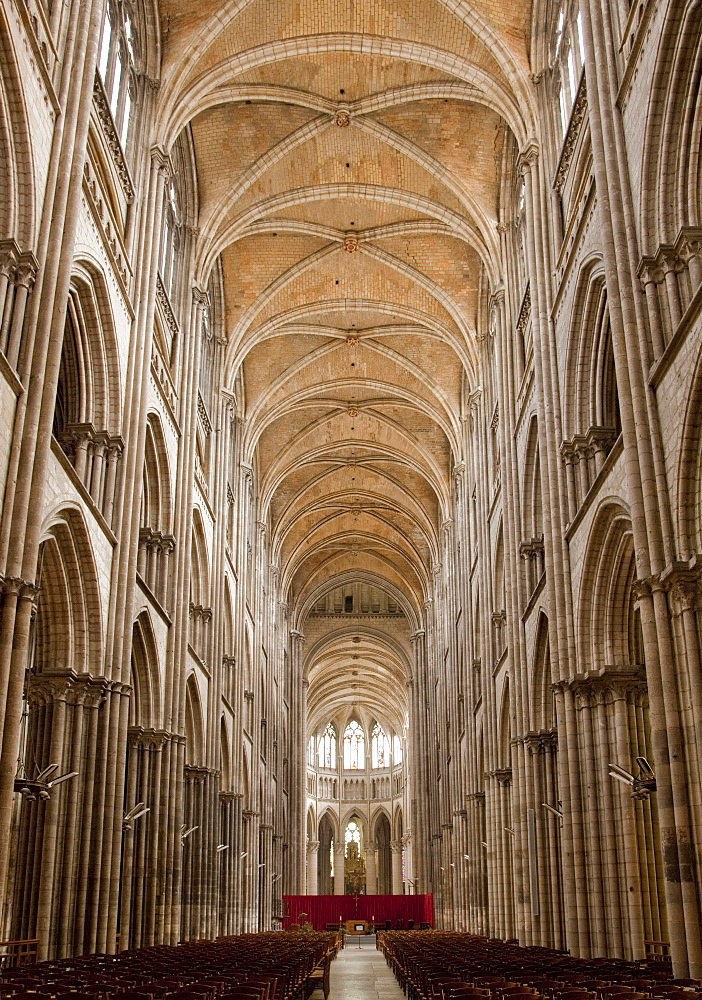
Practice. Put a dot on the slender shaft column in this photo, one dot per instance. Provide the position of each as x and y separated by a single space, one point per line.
298 764
312 866
419 769
397 883
339 884
371 871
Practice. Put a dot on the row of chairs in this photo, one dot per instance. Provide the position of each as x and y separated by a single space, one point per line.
267 966
447 965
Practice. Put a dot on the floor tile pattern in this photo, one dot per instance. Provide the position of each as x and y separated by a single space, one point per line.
361 973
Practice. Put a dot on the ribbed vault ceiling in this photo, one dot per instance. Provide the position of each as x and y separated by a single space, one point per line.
349 158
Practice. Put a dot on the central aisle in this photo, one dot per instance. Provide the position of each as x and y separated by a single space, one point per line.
362 974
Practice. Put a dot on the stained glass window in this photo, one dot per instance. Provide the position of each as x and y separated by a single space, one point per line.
326 749
380 747
354 747
352 836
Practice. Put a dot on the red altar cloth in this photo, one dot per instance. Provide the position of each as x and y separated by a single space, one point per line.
323 910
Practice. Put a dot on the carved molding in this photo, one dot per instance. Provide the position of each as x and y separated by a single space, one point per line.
109 130
524 313
167 309
203 414
572 135
111 238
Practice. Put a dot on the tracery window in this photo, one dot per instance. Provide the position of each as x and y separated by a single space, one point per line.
396 750
116 64
380 747
352 839
354 747
310 752
569 54
326 750
170 239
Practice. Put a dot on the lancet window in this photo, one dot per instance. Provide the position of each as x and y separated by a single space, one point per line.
352 839
326 750
569 53
116 64
170 239
380 747
354 747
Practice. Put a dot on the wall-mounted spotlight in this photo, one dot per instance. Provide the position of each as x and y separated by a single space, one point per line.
221 847
643 785
185 832
552 809
40 787
134 813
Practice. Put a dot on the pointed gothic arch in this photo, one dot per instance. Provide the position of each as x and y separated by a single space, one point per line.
194 724
144 708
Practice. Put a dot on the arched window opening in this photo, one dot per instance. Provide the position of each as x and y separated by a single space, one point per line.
116 64
396 750
170 239
325 858
384 856
354 747
310 752
531 547
352 839
568 58
609 396
380 748
636 644
87 405
520 255
326 751
68 408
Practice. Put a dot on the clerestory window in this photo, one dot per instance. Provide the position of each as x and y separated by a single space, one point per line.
380 747
354 747
326 749
116 64
568 60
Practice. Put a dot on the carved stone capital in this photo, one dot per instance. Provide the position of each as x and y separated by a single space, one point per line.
542 742
23 590
528 157
148 739
10 254
200 296
503 776
161 160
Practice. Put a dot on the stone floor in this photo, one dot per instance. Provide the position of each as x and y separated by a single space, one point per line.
362 974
